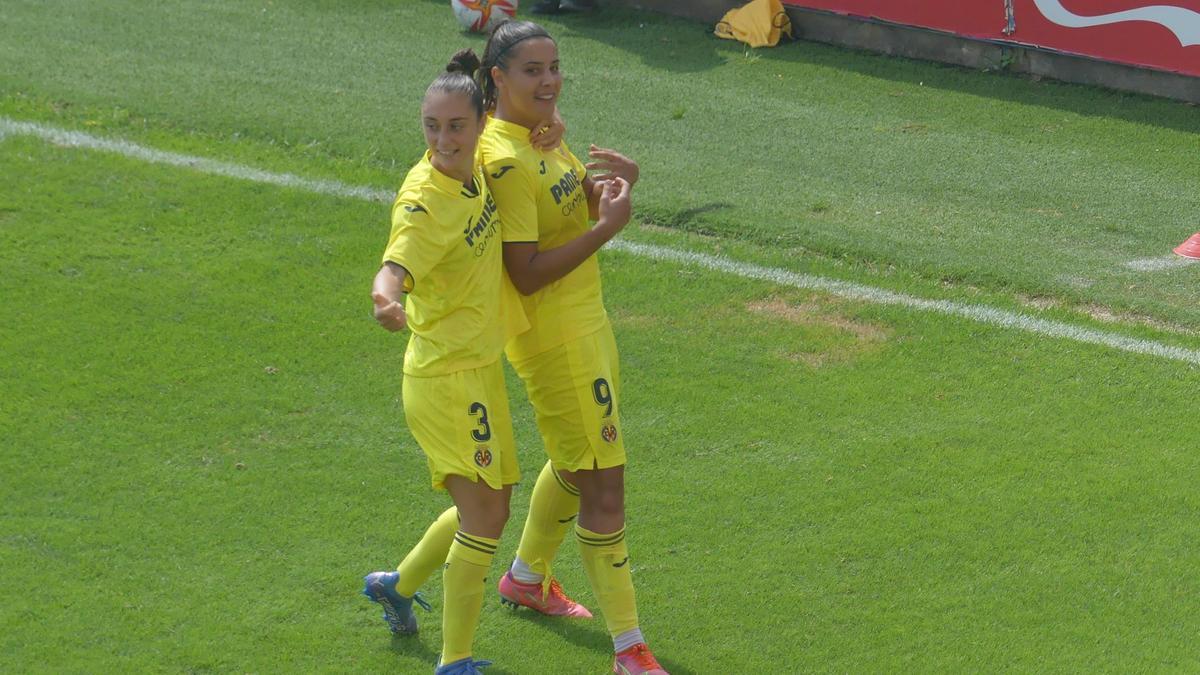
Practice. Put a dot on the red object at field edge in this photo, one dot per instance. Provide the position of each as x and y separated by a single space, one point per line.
1190 248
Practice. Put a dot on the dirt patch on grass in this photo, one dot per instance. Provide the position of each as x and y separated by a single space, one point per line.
1038 301
828 337
817 314
1104 314
625 318
1107 315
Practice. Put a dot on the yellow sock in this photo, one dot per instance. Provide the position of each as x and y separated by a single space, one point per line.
463 580
429 553
552 506
606 561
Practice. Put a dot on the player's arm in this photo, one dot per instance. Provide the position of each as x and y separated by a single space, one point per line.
531 270
387 294
414 248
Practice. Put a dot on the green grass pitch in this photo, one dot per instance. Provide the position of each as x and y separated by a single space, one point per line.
201 443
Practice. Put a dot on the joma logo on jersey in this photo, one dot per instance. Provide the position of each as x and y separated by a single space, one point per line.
481 230
565 187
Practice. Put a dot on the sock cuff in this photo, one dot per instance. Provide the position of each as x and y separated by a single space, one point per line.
562 483
589 538
473 548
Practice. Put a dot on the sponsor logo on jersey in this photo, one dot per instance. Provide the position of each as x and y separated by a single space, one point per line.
478 233
609 432
565 187
503 170
483 457
415 208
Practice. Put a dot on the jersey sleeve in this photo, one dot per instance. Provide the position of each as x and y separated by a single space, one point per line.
413 243
515 190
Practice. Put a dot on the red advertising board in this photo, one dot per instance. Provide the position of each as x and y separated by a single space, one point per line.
1160 34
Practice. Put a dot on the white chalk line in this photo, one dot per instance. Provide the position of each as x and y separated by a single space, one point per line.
880 296
1167 262
77 139
844 289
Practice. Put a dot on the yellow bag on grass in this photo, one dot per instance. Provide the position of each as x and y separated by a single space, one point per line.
758 23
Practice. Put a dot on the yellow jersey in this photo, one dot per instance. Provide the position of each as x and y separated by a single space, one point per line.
461 308
542 199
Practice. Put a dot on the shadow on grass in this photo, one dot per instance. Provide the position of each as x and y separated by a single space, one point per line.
1085 100
660 41
411 645
589 635
684 46
686 220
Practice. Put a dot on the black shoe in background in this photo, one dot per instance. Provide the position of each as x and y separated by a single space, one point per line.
576 5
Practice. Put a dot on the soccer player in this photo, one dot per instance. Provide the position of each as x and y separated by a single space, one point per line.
568 358
444 252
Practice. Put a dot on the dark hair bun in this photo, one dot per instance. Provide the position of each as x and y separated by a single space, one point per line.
464 61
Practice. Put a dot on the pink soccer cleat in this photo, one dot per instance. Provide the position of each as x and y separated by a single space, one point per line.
637 660
553 603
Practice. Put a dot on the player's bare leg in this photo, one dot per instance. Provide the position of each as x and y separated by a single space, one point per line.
601 534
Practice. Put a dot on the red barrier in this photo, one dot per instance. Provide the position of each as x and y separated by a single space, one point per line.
1159 34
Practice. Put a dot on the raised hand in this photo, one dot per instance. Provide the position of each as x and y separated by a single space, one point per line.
547 134
613 163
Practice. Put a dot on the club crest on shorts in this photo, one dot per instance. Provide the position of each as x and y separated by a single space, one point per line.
483 456
609 432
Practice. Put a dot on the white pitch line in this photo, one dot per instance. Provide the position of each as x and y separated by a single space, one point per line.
880 296
844 289
1167 262
76 139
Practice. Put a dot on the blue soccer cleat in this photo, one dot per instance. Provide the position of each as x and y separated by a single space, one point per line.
397 610
466 666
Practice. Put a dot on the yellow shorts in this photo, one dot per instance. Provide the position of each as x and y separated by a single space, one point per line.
574 389
463 425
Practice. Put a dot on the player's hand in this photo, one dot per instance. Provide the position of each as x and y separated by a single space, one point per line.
548 134
615 207
389 313
614 163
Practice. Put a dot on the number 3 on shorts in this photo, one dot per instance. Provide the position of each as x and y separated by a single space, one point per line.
603 395
484 432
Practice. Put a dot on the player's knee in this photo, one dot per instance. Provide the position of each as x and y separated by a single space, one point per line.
488 522
605 504
498 515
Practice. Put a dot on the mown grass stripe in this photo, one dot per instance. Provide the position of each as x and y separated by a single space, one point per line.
844 289
77 139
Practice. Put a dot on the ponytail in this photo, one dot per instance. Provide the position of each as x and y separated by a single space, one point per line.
459 78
